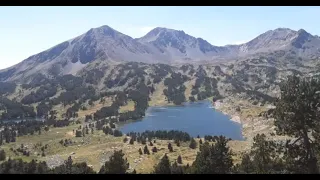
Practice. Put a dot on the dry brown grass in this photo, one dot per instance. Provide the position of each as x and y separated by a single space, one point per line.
97 105
189 85
24 92
95 149
158 98
60 109
128 107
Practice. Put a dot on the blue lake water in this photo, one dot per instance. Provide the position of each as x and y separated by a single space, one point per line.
197 118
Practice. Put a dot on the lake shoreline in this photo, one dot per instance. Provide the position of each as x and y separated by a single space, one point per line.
235 118
195 118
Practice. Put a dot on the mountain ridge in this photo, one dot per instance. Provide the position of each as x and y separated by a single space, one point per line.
160 45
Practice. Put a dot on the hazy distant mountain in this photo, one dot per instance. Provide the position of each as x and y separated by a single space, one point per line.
160 45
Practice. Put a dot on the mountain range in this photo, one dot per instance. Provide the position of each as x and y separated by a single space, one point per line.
160 45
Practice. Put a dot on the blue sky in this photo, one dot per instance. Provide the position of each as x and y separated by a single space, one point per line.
29 30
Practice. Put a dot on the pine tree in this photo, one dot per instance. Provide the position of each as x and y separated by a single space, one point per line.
170 147
146 150
193 144
263 152
177 142
2 155
246 165
116 164
150 144
179 160
140 151
163 167
175 169
78 133
131 141
32 167
296 115
215 159
200 141
68 163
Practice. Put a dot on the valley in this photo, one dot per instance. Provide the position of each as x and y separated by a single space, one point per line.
88 87
225 92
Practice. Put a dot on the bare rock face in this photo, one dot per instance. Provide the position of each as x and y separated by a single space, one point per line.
160 45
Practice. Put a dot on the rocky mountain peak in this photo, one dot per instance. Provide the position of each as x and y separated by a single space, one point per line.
160 45
160 33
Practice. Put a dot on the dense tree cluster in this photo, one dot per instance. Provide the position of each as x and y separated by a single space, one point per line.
261 97
71 96
12 130
186 67
214 159
209 84
41 94
211 138
160 134
106 112
116 164
264 158
297 115
15 129
134 73
15 110
70 82
141 97
164 167
7 88
34 167
176 88
43 109
94 76
38 80
160 71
